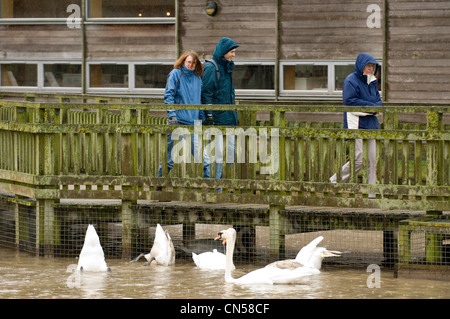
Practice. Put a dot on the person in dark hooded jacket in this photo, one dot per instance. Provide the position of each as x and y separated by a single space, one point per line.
360 89
219 89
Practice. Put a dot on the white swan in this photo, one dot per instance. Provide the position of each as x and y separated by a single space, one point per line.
92 257
162 251
312 256
279 272
211 260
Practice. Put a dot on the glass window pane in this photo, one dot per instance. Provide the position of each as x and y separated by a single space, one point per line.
131 8
340 73
152 76
305 77
62 75
36 8
109 75
19 74
254 77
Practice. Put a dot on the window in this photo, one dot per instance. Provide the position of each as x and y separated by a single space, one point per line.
62 75
149 76
20 74
340 73
305 77
131 8
254 77
23 9
108 75
314 78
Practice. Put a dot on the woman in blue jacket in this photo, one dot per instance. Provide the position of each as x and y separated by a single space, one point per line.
360 89
218 89
184 86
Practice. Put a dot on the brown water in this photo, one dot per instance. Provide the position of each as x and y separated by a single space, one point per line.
29 277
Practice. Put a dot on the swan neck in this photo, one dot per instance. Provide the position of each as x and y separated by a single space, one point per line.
229 258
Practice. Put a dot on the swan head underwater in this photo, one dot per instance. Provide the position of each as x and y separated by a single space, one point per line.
162 252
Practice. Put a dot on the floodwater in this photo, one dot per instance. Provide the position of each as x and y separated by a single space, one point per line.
26 276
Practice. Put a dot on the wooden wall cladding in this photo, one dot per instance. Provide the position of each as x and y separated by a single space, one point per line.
130 42
32 42
251 24
328 29
418 52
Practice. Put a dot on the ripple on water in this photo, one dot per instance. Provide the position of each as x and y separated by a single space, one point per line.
22 276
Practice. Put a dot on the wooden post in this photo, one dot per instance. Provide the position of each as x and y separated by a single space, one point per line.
433 248
47 227
276 233
404 243
47 163
17 223
128 228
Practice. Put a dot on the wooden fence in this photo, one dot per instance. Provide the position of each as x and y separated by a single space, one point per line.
111 148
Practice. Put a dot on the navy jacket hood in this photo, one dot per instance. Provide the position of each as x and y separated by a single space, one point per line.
361 61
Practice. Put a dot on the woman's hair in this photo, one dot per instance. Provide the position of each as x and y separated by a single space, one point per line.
198 64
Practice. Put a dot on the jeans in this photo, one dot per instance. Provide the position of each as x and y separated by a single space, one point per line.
218 159
170 143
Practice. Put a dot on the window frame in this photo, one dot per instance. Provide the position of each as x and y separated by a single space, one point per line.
40 81
131 89
296 93
331 92
132 77
128 20
88 20
255 93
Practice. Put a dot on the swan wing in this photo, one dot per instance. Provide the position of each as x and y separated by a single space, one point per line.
210 260
285 264
290 276
276 275
306 252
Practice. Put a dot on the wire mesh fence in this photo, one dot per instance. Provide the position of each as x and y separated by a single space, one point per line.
425 241
363 238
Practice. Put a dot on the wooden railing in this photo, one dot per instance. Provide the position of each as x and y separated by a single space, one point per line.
72 150
110 148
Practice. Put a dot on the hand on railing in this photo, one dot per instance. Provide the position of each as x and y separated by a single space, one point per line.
172 120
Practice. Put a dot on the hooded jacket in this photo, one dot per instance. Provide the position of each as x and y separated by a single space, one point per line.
222 91
184 87
361 90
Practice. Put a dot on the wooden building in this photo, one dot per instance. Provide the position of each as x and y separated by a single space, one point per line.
289 49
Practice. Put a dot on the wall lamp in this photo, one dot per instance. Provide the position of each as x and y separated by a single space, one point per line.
211 8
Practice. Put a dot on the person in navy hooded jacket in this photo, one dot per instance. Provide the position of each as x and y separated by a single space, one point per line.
360 89
219 89
184 86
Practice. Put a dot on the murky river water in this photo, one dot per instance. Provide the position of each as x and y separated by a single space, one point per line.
29 277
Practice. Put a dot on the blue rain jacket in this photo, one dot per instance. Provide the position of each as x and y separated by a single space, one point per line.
184 87
356 91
